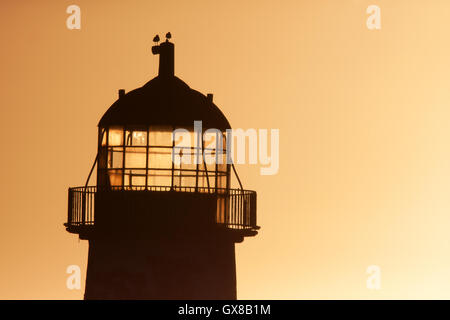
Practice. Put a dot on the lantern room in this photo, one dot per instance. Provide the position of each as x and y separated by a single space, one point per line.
140 157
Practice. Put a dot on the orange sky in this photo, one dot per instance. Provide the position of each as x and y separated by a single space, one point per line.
364 123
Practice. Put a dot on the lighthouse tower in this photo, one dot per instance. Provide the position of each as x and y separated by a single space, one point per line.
162 221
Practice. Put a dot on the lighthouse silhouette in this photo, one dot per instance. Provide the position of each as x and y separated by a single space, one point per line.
162 221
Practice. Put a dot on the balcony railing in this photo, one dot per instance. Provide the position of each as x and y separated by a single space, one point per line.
236 207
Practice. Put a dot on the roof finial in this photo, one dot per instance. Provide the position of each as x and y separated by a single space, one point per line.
166 55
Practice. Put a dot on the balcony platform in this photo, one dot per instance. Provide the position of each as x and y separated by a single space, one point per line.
230 212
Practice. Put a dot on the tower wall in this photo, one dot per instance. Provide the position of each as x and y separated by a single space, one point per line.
159 245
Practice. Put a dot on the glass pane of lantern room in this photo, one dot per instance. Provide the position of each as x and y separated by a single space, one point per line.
135 157
206 181
184 138
115 157
183 151
160 158
160 136
134 179
211 140
221 160
115 177
160 178
184 178
136 137
115 136
184 158
221 182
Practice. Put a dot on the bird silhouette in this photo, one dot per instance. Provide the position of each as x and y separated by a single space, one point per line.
156 38
168 35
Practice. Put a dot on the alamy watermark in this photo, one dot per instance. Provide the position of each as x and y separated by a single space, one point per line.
229 149
374 20
73 281
373 282
74 20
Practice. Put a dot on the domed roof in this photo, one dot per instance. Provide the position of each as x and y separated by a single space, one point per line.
165 100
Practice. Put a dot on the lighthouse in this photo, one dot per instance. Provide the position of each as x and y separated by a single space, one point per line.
162 220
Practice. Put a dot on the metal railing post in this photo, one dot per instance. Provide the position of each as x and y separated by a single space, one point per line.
70 207
253 209
83 207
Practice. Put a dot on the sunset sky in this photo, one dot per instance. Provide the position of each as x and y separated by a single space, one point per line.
364 120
